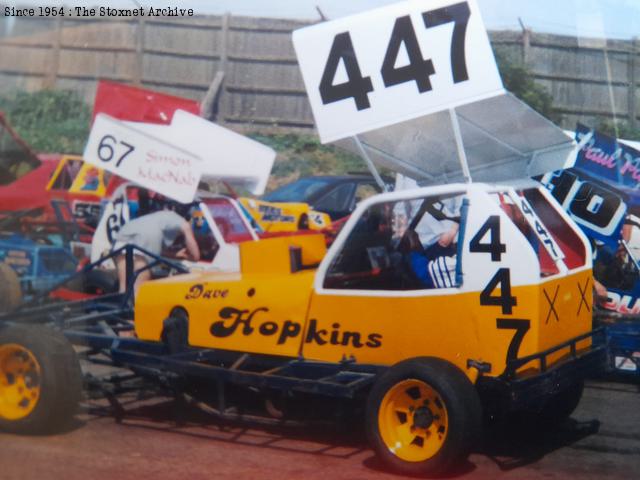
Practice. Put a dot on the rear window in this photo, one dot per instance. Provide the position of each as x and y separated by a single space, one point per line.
552 238
67 175
565 236
229 221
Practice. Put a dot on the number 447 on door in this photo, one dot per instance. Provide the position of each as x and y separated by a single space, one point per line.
418 70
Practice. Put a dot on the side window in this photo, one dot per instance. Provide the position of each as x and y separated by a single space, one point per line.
573 251
89 179
67 175
551 237
631 235
547 264
336 200
401 245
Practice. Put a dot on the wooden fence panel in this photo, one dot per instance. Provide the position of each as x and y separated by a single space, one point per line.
262 86
181 40
99 35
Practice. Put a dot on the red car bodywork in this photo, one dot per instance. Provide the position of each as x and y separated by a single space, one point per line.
30 191
134 104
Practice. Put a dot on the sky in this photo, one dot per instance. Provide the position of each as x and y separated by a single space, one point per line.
591 18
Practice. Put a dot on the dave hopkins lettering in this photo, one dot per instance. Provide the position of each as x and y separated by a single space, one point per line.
242 321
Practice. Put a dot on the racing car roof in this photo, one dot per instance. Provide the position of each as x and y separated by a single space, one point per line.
503 139
225 155
172 159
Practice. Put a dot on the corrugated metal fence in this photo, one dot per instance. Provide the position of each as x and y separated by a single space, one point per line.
262 86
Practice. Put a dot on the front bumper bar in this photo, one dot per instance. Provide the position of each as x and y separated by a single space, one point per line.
513 392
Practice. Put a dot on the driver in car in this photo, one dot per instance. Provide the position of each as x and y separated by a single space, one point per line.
431 245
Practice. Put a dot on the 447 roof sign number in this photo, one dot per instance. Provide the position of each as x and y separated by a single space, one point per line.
395 63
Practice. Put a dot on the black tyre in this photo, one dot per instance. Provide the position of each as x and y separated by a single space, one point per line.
10 292
175 331
95 282
560 407
423 417
40 380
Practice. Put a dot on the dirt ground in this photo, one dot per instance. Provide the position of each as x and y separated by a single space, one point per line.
602 440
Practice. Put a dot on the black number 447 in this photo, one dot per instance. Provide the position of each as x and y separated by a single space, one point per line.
418 70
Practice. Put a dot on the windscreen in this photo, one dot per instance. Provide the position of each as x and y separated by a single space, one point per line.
401 245
555 242
229 221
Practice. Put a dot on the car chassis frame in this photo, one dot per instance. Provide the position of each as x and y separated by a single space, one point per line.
103 325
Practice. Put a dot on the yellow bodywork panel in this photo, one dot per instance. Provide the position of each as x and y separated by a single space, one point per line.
262 310
284 217
275 255
565 311
256 313
385 330
267 313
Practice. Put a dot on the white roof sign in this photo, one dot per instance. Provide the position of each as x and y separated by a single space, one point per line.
395 63
143 158
171 159
225 155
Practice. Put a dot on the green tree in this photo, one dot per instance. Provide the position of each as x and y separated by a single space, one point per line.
49 120
302 155
519 80
618 129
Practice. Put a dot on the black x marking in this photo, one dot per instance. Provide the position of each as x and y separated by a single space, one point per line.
583 293
552 308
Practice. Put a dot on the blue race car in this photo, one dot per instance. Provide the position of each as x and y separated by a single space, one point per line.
600 192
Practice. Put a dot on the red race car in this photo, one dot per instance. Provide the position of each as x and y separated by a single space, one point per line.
31 185
30 182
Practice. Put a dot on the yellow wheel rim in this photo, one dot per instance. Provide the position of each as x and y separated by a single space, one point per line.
413 421
19 382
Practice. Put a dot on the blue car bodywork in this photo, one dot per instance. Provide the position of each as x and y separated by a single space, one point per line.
38 266
601 192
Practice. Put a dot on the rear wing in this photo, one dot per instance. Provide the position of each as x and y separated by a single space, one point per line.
493 140
172 159
135 104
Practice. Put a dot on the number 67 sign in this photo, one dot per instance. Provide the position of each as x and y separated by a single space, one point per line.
394 64
142 158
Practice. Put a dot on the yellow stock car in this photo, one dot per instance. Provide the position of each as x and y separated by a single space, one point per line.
285 217
435 305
